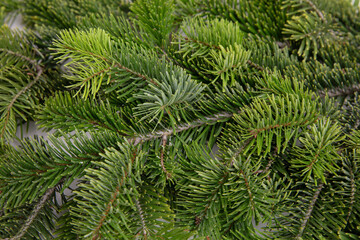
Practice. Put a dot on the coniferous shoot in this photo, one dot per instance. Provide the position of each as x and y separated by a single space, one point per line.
180 119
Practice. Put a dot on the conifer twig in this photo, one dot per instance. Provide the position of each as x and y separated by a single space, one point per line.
96 231
22 91
164 140
33 214
222 181
181 128
141 213
352 195
309 211
340 91
19 55
254 65
318 12
39 70
267 168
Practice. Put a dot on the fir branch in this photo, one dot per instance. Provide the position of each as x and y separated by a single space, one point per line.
238 151
109 61
309 211
96 74
248 189
318 12
39 70
352 195
96 123
136 74
183 127
22 91
96 231
19 55
164 140
310 166
87 52
27 87
254 65
141 213
222 181
34 213
212 198
255 132
212 46
267 168
340 91
188 39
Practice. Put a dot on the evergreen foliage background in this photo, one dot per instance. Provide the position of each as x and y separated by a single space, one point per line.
138 94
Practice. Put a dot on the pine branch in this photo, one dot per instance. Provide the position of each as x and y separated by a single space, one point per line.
309 211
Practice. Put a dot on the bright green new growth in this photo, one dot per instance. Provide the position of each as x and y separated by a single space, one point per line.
183 119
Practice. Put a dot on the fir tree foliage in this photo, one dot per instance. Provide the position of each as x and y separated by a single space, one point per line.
182 119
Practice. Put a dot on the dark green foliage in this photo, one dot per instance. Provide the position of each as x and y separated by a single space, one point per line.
156 18
12 220
182 119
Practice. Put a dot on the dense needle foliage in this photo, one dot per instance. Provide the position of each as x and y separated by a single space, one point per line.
181 119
